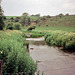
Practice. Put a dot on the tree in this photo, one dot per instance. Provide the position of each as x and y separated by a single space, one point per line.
25 14
1 18
61 15
67 14
29 21
24 19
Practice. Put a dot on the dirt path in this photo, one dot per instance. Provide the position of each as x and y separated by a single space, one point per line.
51 60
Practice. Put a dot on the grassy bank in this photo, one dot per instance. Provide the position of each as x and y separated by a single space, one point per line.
55 28
61 39
13 53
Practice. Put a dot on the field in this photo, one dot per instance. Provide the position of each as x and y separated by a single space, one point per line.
8 17
55 28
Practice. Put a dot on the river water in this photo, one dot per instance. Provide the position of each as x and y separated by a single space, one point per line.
51 60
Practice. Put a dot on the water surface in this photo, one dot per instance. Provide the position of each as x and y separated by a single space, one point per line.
51 60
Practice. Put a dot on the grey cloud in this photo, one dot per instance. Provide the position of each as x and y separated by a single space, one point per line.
44 7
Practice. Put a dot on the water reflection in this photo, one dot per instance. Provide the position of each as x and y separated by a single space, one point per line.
37 43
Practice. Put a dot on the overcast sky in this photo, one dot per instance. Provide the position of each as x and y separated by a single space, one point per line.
43 7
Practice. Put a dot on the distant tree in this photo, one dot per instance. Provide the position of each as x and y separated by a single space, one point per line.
67 14
60 15
16 19
1 18
29 21
24 19
48 16
38 15
25 14
1 11
43 18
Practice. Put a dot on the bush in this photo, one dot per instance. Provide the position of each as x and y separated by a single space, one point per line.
13 53
31 27
10 26
66 40
70 45
17 26
13 26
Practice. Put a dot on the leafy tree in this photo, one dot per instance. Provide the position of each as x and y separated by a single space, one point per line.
29 21
60 15
1 23
25 14
1 18
24 19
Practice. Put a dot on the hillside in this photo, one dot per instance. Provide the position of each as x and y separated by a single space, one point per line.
65 23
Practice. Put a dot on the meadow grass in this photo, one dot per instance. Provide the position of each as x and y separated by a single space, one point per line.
8 17
55 28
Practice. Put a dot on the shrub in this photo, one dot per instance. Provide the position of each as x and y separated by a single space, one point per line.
17 26
70 45
31 27
13 53
10 26
64 39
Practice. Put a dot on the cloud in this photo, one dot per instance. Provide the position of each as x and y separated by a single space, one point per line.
44 7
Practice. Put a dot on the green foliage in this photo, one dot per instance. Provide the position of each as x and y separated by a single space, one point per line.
17 26
10 26
64 39
31 27
36 35
13 26
65 23
2 25
13 53
70 45
23 34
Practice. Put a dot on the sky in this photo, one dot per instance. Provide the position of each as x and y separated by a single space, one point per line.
43 7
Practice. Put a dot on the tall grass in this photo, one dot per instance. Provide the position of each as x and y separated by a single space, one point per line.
63 39
13 53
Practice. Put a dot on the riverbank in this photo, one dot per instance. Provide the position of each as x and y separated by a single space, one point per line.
61 39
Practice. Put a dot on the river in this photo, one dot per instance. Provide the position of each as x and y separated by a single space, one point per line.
51 60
